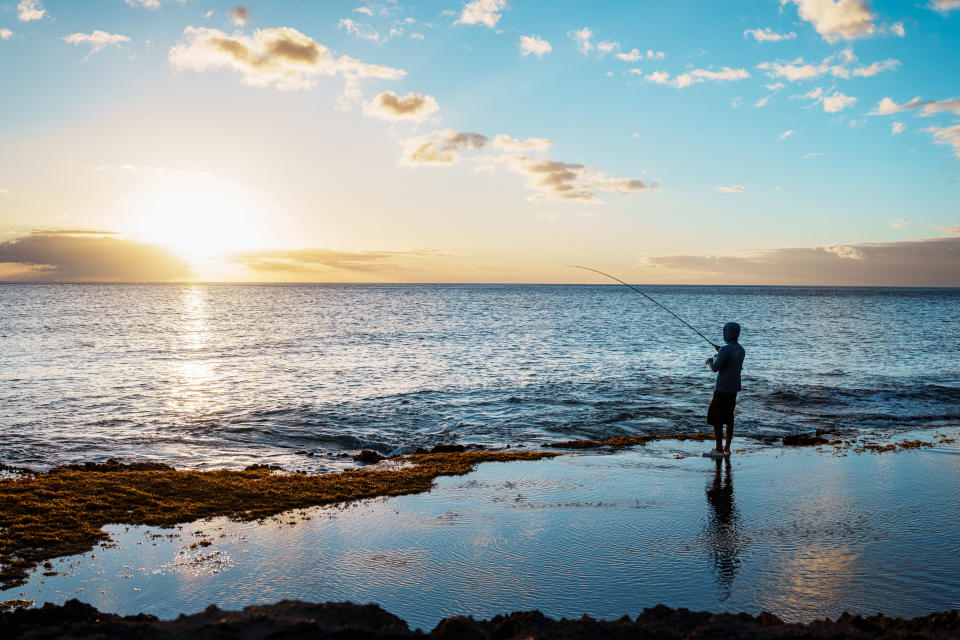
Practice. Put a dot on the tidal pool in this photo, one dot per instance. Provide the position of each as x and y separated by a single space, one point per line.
801 533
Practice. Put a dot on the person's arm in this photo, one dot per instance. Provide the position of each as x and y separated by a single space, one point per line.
716 363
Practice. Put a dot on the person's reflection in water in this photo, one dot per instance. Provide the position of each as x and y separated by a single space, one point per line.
723 529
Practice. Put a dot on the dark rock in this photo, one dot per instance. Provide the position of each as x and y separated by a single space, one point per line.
294 620
113 465
803 440
263 467
368 456
448 448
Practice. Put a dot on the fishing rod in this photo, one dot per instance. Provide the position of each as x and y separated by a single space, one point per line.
576 266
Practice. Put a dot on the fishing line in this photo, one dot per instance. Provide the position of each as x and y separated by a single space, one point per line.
576 266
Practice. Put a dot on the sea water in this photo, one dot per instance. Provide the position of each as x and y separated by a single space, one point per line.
205 376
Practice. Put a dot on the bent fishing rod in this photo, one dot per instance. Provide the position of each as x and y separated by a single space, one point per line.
576 266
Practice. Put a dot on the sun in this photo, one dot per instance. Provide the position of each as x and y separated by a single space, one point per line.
198 221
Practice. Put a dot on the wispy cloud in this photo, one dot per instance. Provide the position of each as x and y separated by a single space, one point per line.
768 35
838 66
5 34
324 260
731 189
944 6
887 106
97 40
897 127
949 136
582 39
240 15
899 223
696 76
783 136
832 102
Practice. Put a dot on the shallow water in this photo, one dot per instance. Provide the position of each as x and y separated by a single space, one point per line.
205 376
796 532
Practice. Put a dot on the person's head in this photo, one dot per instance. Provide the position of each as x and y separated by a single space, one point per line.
731 331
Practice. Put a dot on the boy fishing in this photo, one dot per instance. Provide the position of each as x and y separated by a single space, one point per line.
727 364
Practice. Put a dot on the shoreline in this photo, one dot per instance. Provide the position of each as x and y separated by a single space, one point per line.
296 619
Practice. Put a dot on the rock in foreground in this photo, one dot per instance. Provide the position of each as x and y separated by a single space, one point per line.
292 619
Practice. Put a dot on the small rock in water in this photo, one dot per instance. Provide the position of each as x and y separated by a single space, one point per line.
368 456
448 448
803 440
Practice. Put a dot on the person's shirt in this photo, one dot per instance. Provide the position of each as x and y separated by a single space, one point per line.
728 363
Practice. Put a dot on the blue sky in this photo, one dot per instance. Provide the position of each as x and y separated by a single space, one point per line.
735 130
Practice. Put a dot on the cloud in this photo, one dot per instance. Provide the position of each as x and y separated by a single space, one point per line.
607 46
280 57
440 147
633 56
359 29
767 35
530 145
897 127
832 103
808 156
320 260
928 262
582 39
5 34
944 6
762 102
928 107
899 223
487 12
836 65
535 45
783 136
415 107
240 15
87 256
28 10
569 181
146 4
897 29
658 77
732 189
696 76
949 136
97 40
836 19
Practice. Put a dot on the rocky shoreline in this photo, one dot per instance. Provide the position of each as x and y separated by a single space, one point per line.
293 619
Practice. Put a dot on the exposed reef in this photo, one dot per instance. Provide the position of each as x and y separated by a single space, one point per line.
623 442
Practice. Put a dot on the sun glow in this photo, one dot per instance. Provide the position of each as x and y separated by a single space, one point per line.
197 222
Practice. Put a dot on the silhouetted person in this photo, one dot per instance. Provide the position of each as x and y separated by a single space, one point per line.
727 363
723 528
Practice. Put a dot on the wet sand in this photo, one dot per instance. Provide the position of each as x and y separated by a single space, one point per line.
804 533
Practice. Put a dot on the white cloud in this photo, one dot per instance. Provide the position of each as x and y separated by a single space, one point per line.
5 34
582 39
359 29
656 55
767 35
836 65
808 156
530 145
783 136
949 136
607 46
155 4
28 10
776 86
534 45
413 107
280 57
897 29
733 189
240 15
487 12
208 14
364 10
944 6
899 223
633 56
762 102
832 103
927 107
897 127
658 77
836 19
97 40
696 76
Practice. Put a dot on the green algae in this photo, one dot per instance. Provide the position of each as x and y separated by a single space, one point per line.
62 512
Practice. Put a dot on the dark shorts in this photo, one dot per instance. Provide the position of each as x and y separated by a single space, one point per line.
721 409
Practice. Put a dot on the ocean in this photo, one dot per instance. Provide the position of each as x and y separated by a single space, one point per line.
208 376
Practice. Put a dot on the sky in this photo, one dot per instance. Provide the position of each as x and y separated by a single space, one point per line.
797 142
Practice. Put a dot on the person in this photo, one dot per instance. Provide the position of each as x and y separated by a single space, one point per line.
727 364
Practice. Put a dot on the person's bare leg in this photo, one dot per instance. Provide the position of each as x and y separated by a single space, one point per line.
726 449
718 434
